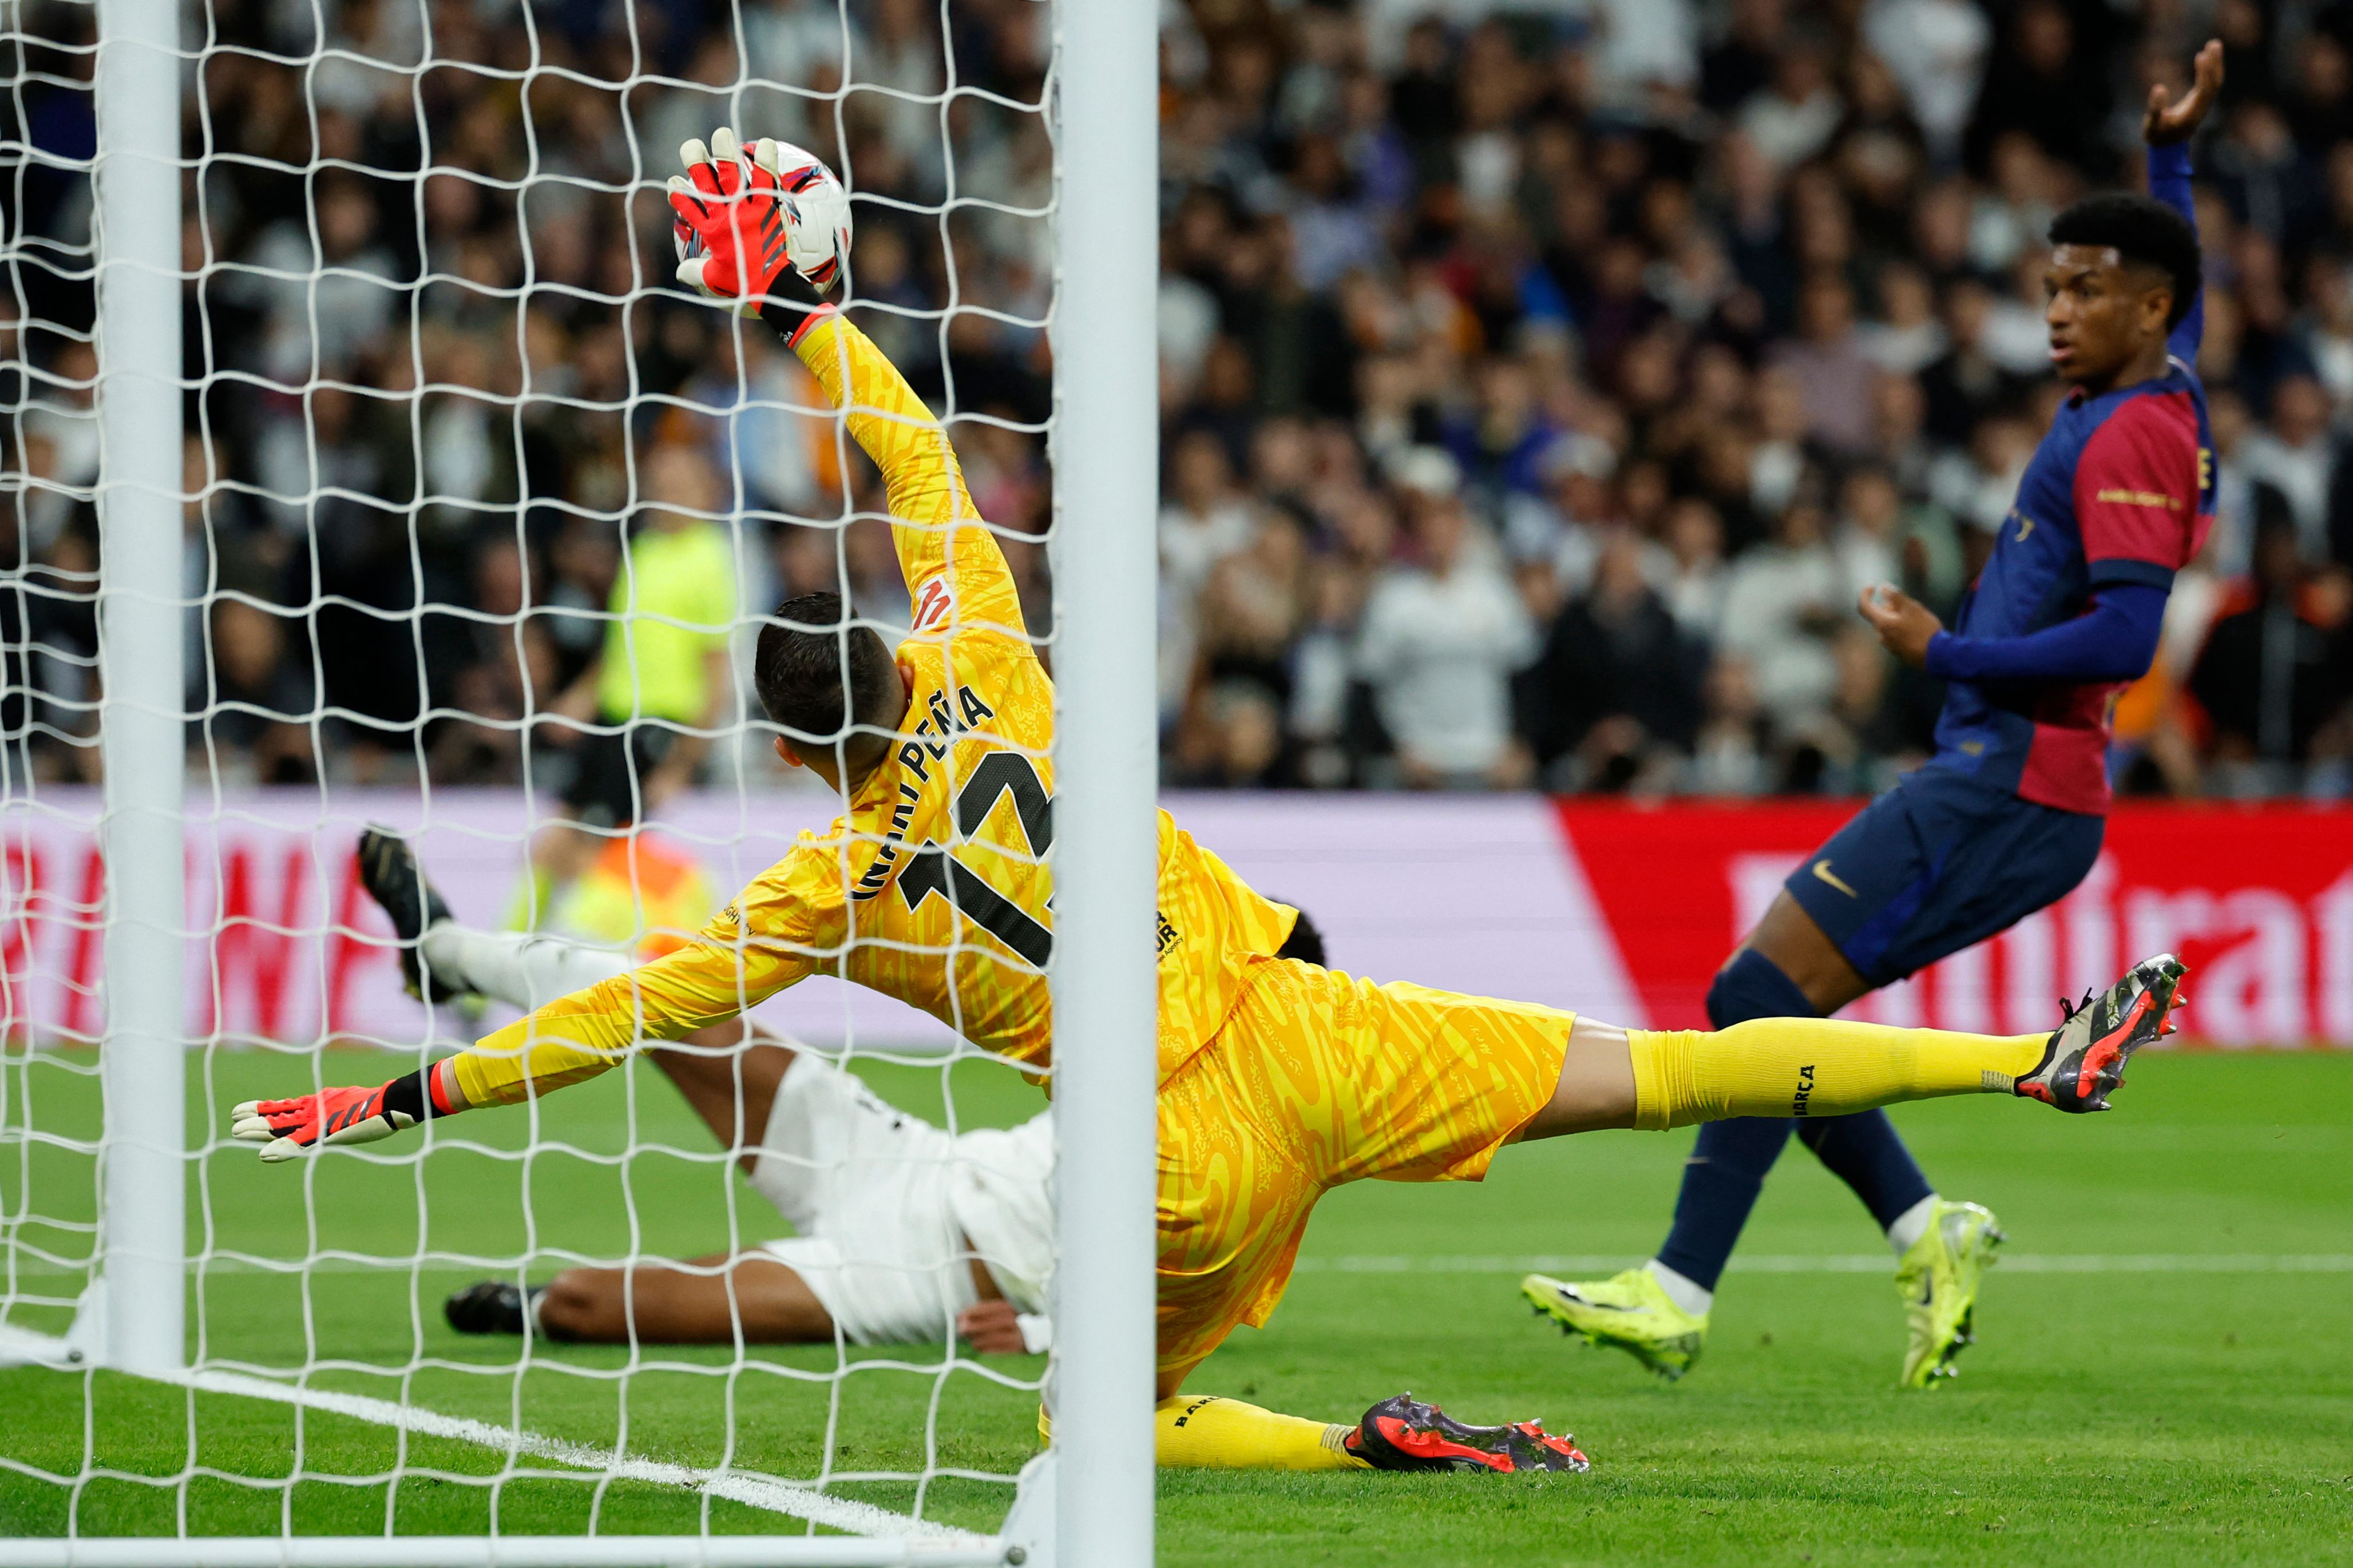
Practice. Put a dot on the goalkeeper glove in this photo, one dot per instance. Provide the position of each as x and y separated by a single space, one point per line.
285 1127
735 224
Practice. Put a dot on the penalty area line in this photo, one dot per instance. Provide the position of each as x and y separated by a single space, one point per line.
1847 1263
754 1491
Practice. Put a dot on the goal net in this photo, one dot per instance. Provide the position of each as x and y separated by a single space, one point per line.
366 466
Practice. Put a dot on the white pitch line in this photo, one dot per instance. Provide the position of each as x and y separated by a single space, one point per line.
288 1268
776 1497
1849 1263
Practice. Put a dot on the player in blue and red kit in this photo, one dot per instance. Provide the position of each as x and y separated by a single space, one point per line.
2007 817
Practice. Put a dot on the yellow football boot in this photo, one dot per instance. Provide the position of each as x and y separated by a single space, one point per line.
1631 1312
1939 1279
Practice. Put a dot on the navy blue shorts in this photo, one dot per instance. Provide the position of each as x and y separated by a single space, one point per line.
1935 864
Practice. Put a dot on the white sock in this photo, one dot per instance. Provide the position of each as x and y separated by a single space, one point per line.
1687 1293
515 967
1911 1225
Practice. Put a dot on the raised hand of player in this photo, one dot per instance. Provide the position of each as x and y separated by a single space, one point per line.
1903 622
2166 122
729 220
738 230
285 1127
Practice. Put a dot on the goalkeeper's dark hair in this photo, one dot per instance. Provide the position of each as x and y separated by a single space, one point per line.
1306 943
2144 232
817 674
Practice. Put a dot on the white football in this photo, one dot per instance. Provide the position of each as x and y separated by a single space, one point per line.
817 211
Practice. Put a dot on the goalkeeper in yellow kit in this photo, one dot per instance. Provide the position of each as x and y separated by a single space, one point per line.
1278 1079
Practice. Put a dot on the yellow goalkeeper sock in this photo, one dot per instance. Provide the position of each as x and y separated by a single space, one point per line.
1813 1067
1203 1432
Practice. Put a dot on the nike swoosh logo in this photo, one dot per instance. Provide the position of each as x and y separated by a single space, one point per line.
1822 869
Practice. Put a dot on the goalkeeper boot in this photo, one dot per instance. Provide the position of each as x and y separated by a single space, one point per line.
1631 1312
492 1306
1938 1280
2084 1062
390 872
1401 1432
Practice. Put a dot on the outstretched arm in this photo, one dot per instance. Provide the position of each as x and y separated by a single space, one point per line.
2167 127
736 210
770 938
950 559
568 1041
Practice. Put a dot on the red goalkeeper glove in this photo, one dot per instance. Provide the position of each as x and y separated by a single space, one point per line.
736 226
285 1127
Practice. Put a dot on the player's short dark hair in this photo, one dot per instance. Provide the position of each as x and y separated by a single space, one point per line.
1305 943
813 663
2143 231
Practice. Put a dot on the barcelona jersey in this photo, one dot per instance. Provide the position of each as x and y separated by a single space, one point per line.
934 885
2121 491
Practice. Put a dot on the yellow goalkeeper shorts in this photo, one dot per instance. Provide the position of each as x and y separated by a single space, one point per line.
1318 1078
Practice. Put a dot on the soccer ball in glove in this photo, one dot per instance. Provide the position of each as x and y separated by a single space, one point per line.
816 207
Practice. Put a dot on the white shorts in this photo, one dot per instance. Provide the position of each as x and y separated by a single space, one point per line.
866 1184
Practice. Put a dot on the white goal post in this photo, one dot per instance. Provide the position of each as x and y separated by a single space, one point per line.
136 251
1107 770
1088 1499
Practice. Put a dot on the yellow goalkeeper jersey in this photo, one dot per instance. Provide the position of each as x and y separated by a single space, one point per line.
932 886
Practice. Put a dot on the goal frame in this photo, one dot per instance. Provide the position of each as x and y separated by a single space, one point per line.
1088 1498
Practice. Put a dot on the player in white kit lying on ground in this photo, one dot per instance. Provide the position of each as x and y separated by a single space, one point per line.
908 1233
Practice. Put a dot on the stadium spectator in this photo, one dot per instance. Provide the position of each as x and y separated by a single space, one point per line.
252 694
1827 365
2293 455
1441 639
1728 755
1936 49
1793 118
1612 701
2277 673
1785 603
1691 569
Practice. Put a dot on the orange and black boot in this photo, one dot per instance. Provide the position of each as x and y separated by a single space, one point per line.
2084 1062
1403 1434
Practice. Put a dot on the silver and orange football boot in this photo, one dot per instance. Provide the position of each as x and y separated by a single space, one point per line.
2084 1062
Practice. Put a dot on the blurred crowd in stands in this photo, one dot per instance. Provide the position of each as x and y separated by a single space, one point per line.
1542 385
1540 382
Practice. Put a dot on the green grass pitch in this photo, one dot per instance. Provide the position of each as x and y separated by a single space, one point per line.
2123 1415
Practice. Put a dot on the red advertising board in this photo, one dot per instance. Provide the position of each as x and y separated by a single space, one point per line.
2258 899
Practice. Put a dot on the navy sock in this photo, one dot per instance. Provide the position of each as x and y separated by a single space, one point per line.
1721 1180
1728 1163
1863 1151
